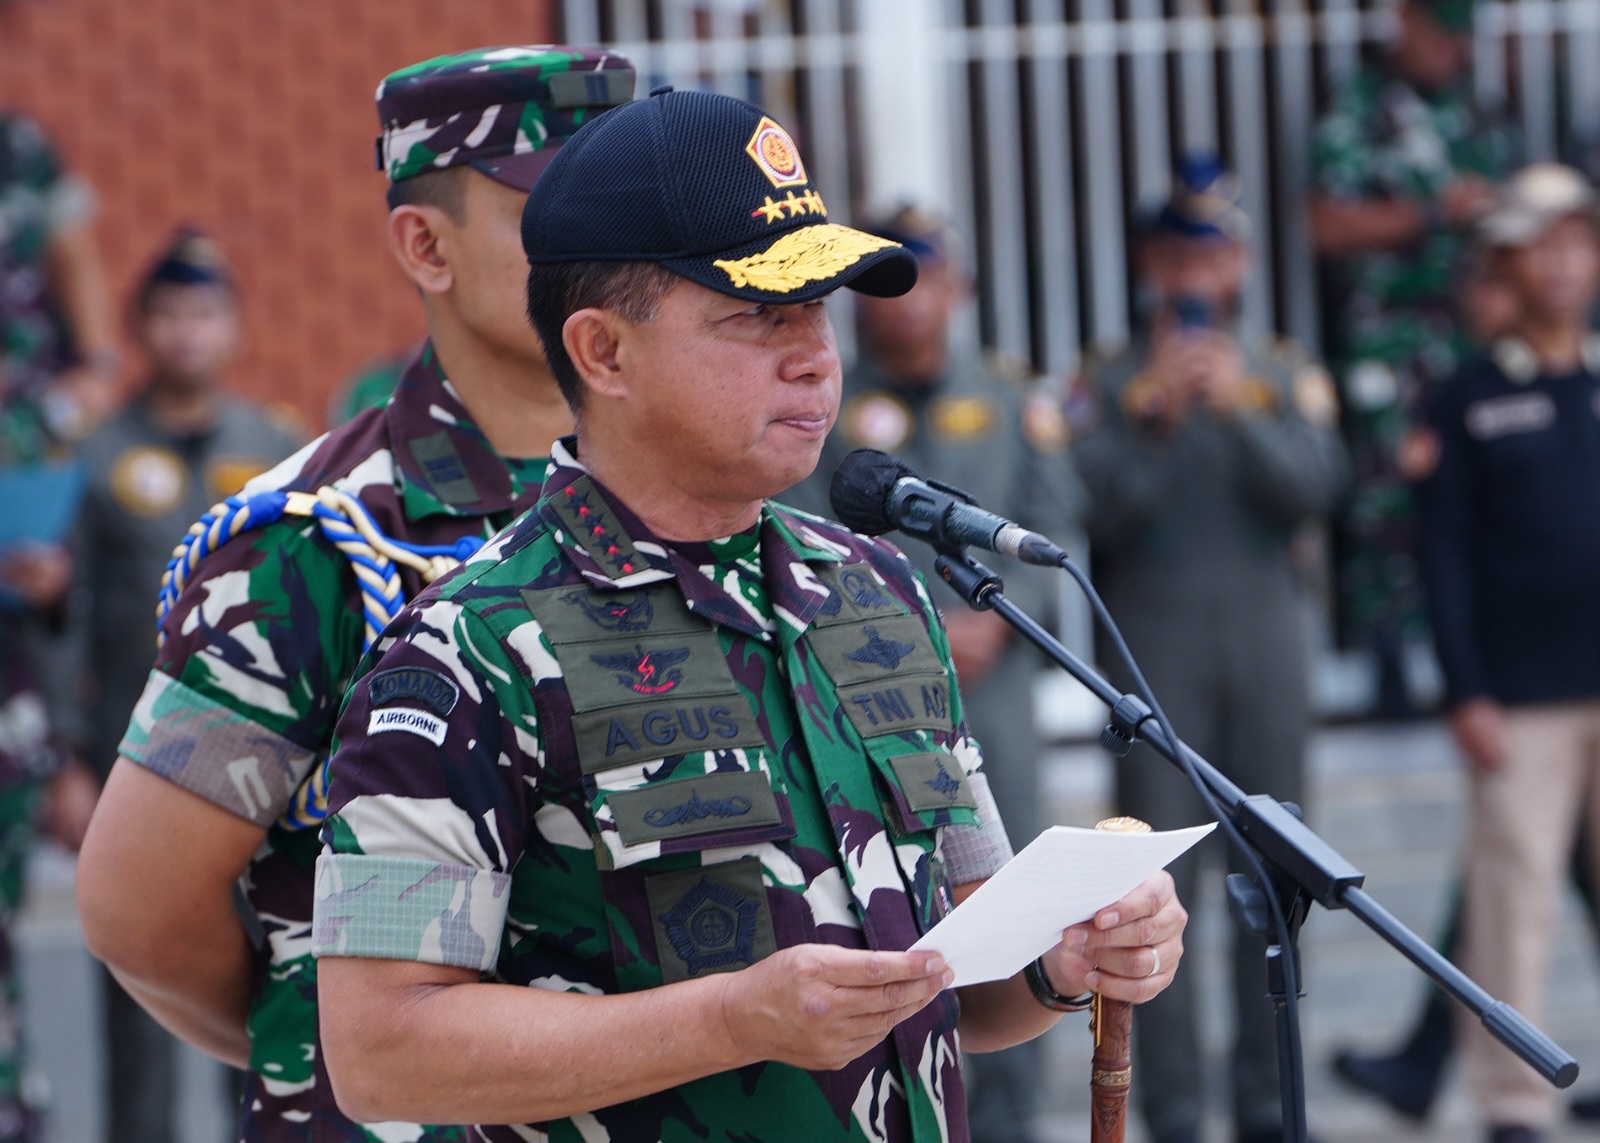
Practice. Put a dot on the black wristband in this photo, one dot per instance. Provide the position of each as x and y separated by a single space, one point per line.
1045 993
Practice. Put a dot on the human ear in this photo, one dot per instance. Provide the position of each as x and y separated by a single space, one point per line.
592 338
419 238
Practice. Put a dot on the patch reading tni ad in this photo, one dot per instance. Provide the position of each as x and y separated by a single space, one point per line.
418 722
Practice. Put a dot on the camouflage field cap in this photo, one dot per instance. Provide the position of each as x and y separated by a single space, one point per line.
713 189
503 111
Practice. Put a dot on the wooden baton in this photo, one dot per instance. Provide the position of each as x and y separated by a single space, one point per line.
1111 1021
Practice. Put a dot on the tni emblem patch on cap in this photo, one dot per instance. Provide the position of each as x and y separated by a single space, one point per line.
777 156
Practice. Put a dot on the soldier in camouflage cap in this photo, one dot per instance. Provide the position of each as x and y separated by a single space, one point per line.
681 771
501 111
267 612
1403 161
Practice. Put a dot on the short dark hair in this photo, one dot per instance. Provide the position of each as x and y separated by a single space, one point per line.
445 189
557 290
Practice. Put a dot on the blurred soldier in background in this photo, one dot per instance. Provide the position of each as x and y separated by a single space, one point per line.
1408 1079
58 356
182 445
221 771
952 417
1403 161
58 367
1511 546
1208 458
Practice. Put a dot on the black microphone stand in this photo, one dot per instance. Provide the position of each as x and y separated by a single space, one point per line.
1302 868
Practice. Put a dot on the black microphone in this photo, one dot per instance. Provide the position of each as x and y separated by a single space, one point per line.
873 493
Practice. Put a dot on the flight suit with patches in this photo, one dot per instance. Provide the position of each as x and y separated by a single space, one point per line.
1190 545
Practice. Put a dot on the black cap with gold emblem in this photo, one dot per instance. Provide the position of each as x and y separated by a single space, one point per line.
711 188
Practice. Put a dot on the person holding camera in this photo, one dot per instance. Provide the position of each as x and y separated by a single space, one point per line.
1208 457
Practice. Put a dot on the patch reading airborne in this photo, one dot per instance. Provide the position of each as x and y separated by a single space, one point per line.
428 687
410 720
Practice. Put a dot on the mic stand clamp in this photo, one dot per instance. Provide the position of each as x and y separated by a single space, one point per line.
966 576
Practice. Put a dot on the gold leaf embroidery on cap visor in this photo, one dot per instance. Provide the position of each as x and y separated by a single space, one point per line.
811 254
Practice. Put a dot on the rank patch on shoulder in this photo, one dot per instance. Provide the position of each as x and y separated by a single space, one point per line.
712 919
149 481
777 156
963 418
226 477
1315 398
442 465
430 688
877 420
1044 423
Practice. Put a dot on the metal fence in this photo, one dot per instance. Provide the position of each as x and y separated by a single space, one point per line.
1042 125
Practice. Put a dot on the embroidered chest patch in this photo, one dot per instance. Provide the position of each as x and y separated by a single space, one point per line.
712 919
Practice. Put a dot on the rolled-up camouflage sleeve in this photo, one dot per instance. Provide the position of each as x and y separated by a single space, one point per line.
258 648
433 774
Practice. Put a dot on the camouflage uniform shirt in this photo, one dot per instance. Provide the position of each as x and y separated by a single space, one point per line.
1396 335
593 762
259 648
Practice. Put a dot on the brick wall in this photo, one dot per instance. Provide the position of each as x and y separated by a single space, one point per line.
255 120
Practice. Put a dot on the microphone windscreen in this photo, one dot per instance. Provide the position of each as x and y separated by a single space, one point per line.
860 490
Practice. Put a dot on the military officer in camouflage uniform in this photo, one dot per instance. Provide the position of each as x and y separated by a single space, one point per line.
180 446
634 817
220 771
952 417
1403 161
1208 457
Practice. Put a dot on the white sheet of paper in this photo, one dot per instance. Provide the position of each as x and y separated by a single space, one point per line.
1064 876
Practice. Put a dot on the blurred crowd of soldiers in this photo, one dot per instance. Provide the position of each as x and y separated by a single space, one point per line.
1441 460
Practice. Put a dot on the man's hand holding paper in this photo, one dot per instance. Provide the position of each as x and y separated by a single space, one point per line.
1095 905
